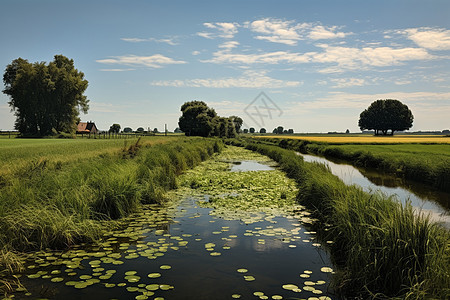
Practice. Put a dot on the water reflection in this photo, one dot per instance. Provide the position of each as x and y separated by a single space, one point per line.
421 196
249 165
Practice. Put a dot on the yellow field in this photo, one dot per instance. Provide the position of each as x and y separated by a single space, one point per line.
367 139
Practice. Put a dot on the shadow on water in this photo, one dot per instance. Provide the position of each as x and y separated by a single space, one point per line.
421 196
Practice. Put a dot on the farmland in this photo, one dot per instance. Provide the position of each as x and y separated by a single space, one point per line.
102 215
368 139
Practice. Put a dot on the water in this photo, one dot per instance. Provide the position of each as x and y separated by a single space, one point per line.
422 197
204 251
249 165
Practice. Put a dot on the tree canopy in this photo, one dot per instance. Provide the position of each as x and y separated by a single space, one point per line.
384 115
45 98
114 128
200 120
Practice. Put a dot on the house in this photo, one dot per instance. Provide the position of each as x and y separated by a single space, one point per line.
86 127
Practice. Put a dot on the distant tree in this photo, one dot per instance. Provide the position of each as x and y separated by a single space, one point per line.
280 129
197 119
140 129
446 131
155 130
237 121
290 131
347 131
252 130
127 130
177 130
275 130
114 128
262 130
384 115
45 98
245 130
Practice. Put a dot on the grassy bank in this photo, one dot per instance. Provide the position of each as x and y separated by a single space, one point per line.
381 248
44 203
426 163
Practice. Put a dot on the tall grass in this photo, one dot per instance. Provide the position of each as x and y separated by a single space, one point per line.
50 205
381 248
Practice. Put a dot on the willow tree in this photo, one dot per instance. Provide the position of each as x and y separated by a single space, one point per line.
45 98
384 115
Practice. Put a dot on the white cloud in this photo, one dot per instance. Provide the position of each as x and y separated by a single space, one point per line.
290 32
225 30
348 82
429 38
276 31
229 45
249 79
343 58
195 52
153 61
116 70
169 41
320 32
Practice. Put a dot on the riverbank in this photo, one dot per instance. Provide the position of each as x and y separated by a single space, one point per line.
232 229
47 203
425 163
381 248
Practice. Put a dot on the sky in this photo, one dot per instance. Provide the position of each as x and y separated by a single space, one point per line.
312 66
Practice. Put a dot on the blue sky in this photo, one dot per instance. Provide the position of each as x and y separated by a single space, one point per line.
320 63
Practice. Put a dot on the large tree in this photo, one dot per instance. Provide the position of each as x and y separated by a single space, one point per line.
45 98
197 119
384 115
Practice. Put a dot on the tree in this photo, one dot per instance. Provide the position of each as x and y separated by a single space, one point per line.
155 130
279 129
262 130
140 129
290 131
114 128
252 130
275 130
237 121
384 115
127 130
45 98
347 131
197 119
245 130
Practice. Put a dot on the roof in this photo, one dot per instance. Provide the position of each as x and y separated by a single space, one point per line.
86 127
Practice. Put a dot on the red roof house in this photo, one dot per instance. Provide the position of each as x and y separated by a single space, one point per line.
86 127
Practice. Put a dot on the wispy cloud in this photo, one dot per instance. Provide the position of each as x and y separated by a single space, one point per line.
290 32
348 82
222 29
249 79
116 70
170 41
229 45
341 58
153 61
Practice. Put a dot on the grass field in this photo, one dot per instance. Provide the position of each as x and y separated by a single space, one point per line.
366 139
55 193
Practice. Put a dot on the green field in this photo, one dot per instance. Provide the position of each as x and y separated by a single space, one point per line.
56 193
